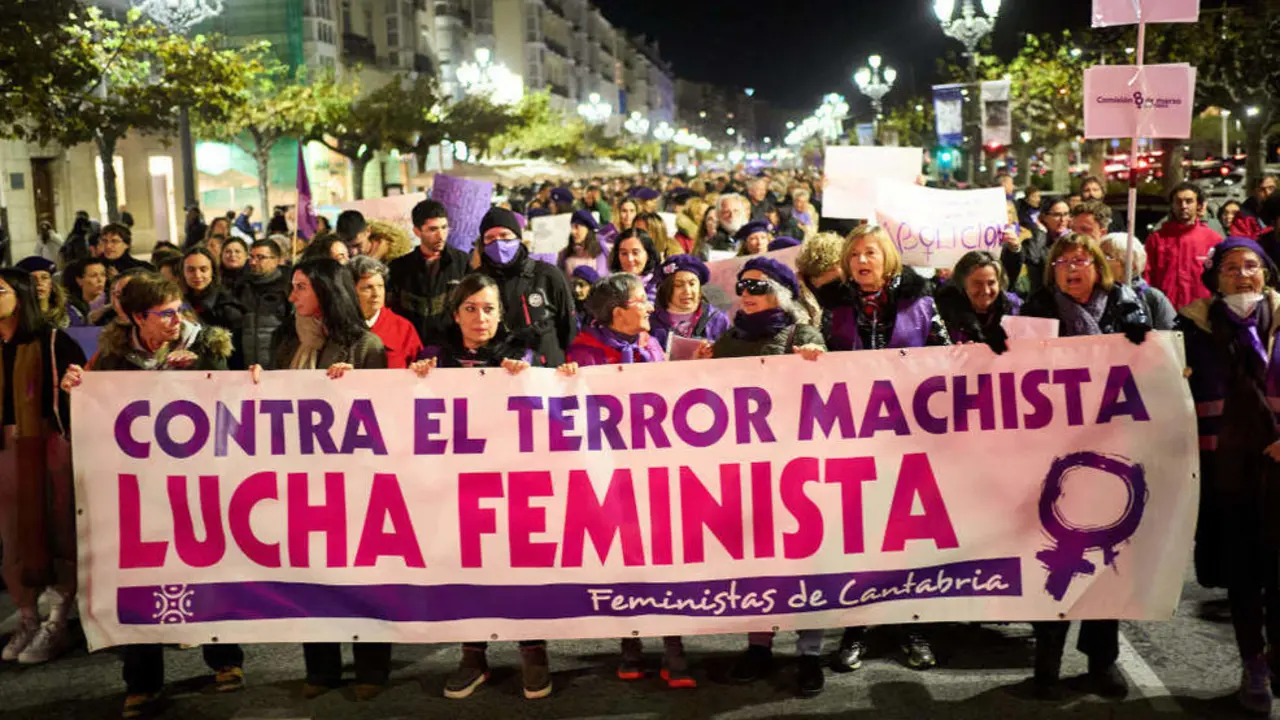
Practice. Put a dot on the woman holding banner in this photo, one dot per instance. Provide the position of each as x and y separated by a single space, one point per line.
771 322
477 339
327 332
157 337
1235 379
620 336
975 302
1082 295
882 304
681 310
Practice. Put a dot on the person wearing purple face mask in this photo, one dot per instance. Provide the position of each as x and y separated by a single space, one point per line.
538 303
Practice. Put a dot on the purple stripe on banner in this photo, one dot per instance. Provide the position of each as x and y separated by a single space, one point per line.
212 602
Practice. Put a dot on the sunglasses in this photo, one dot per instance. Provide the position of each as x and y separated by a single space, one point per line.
752 286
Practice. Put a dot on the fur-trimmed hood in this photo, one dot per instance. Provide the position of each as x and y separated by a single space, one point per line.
203 340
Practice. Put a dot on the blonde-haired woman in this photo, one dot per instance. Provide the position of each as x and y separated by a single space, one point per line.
882 303
387 241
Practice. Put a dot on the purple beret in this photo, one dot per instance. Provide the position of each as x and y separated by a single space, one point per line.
34 263
641 192
750 229
538 212
588 273
783 242
1210 275
584 218
682 263
562 196
775 270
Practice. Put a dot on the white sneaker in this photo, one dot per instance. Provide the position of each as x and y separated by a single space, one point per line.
50 642
22 636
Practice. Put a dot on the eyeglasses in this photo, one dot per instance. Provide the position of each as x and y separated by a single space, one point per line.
1058 214
1246 270
637 303
168 315
1076 264
262 258
752 286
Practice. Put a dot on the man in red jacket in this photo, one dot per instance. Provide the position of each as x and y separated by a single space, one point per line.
1176 253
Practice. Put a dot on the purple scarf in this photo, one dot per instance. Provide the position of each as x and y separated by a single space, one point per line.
1247 329
1078 319
627 345
761 325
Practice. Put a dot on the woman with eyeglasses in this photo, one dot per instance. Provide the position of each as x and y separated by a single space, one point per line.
158 338
1081 294
1234 361
771 322
1054 222
1115 248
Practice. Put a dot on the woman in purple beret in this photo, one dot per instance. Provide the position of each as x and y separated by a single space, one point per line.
772 322
681 309
583 277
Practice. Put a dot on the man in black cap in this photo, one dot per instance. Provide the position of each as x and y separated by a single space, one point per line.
421 281
537 302
354 231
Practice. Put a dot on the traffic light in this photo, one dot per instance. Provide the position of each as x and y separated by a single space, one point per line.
948 158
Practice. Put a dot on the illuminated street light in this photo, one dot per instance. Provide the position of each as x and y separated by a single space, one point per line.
637 124
487 78
595 111
875 82
664 132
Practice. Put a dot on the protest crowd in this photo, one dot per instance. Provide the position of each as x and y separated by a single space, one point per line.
625 289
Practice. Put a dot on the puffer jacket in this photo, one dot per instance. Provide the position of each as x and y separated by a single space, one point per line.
963 323
732 344
265 300
212 345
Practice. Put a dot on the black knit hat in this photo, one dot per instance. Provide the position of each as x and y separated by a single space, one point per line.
500 217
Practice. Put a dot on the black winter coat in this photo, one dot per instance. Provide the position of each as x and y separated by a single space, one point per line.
538 306
265 303
419 293
1125 312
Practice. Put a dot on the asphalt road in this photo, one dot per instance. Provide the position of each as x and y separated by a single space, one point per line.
1183 668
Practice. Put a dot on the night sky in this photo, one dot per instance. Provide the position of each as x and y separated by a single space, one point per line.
800 50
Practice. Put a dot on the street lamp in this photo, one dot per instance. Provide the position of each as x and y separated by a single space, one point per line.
1251 111
179 16
1225 131
637 124
485 77
875 83
968 29
595 111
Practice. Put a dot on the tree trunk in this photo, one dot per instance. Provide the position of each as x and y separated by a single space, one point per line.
1062 168
1096 151
382 176
358 165
1171 164
106 143
262 158
1255 144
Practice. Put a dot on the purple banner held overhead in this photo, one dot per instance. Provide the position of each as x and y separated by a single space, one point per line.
467 201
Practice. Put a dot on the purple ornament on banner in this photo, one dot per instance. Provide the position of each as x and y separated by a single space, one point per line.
467 201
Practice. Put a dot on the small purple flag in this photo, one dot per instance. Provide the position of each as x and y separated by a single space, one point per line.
305 212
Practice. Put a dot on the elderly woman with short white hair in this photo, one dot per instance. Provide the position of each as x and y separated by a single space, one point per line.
1160 311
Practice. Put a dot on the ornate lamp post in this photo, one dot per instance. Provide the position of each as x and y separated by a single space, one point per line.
485 77
637 124
875 83
179 16
595 111
968 29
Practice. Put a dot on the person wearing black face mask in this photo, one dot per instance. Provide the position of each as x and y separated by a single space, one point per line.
539 306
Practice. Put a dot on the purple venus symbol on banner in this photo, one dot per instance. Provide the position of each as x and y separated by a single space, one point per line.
1066 559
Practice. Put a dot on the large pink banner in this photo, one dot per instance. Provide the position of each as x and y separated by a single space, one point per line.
1154 101
1130 12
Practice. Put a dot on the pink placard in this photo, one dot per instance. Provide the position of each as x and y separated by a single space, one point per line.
1154 101
1127 12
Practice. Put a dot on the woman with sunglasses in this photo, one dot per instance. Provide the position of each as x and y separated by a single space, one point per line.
1080 293
159 338
771 322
